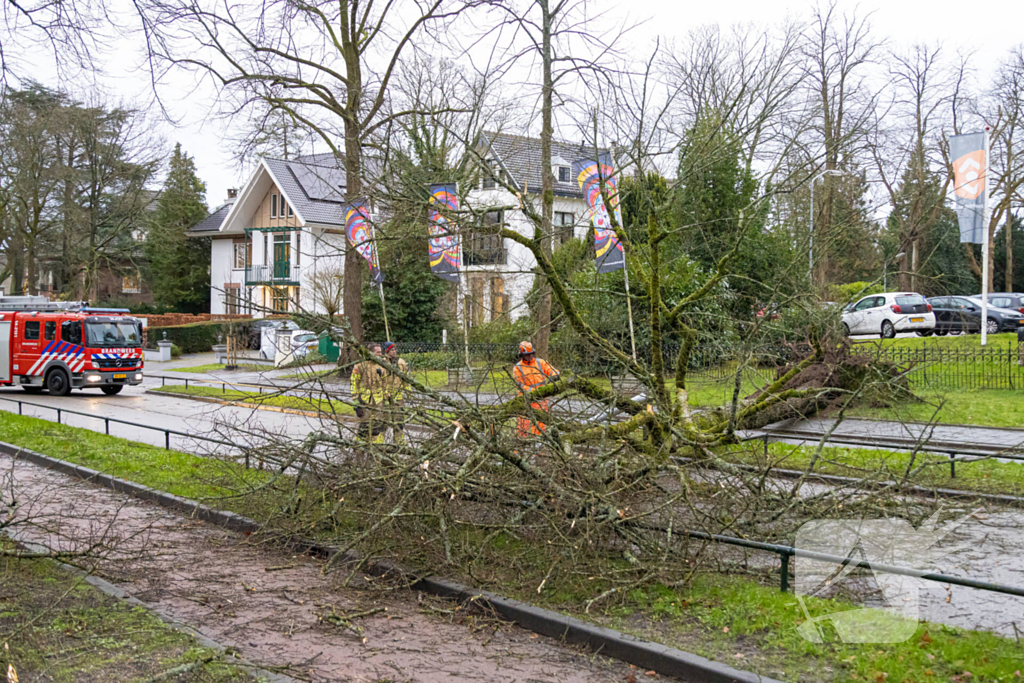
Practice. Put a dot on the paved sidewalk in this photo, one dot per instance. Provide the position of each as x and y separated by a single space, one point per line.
966 436
275 608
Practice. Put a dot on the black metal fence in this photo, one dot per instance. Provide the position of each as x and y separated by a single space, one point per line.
935 367
708 362
926 367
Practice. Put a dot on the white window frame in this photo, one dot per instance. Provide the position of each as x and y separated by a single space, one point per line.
273 205
237 247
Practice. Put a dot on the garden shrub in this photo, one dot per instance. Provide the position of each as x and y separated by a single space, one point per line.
431 360
195 337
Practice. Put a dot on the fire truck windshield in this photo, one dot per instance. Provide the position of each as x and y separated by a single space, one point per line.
100 334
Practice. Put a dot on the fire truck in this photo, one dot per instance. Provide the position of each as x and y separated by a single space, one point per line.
60 345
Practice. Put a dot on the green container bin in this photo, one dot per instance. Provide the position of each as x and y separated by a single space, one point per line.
329 348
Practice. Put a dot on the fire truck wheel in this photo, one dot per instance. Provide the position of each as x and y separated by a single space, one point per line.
32 390
57 383
110 391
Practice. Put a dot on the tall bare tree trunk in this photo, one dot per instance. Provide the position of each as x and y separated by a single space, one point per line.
914 263
352 297
30 267
543 335
1009 252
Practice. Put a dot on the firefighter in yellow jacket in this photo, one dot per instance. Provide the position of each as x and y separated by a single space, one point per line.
396 393
529 373
370 389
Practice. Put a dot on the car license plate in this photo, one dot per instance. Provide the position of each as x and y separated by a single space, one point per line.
120 376
917 320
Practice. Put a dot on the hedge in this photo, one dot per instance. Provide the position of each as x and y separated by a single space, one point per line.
195 337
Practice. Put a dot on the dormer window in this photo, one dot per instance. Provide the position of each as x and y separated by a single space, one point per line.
560 168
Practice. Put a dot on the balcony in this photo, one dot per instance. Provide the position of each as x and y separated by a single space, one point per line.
276 273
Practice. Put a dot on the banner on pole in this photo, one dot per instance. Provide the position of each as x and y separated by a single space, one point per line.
443 244
969 168
590 175
360 236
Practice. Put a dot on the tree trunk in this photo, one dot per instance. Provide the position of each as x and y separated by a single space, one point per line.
902 265
30 267
913 266
543 335
991 256
1009 253
352 297
16 256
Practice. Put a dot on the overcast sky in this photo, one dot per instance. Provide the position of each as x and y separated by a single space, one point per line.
988 29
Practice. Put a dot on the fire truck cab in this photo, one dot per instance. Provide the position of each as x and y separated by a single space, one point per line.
59 346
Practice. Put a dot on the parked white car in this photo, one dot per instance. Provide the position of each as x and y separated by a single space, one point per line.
304 342
887 314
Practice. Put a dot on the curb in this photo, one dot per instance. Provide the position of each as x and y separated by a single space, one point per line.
650 656
254 670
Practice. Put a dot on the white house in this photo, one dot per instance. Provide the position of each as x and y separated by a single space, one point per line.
500 272
286 228
272 238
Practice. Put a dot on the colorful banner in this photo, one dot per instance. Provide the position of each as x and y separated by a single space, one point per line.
360 236
443 245
590 174
969 166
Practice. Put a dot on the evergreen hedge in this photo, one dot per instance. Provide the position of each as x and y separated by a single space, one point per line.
196 337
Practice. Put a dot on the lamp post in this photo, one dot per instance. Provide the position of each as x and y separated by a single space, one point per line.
885 270
810 230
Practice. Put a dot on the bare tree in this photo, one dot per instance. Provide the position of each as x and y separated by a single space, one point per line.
907 152
327 290
838 51
1003 111
561 36
751 79
326 66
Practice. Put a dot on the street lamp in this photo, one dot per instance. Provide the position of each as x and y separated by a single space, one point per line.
885 270
810 247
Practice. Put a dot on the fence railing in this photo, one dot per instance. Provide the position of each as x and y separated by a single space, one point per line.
926 367
708 362
167 432
935 367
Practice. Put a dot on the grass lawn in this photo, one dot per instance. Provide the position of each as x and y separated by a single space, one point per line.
715 615
309 374
983 407
985 476
211 367
754 627
59 628
1006 340
256 399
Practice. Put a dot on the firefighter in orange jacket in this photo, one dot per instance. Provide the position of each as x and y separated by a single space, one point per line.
529 373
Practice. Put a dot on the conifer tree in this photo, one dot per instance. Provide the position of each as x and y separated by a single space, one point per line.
180 265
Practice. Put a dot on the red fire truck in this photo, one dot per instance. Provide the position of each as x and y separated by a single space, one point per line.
60 346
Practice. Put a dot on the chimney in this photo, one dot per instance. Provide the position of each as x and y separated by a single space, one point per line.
233 193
